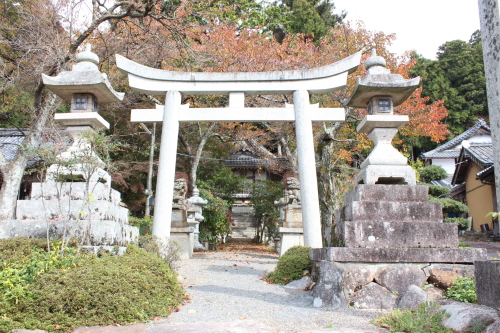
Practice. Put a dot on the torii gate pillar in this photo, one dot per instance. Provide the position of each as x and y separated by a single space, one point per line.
311 218
300 83
166 166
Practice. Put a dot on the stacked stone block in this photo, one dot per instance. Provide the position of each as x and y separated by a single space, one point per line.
387 232
93 215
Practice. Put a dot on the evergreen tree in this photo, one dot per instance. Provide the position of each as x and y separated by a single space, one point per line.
313 18
457 77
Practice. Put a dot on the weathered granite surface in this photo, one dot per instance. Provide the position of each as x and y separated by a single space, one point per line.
381 192
393 211
380 285
464 315
398 235
71 209
409 255
391 238
93 232
412 298
74 191
487 275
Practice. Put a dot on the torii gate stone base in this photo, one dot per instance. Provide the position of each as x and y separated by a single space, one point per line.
300 83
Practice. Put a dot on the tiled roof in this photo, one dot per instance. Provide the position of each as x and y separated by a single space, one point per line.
444 182
11 139
482 153
250 154
451 149
478 153
485 172
250 162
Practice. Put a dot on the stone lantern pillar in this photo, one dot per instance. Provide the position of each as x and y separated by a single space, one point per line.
84 87
85 207
195 217
380 91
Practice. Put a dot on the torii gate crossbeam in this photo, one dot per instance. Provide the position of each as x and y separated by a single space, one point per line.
299 83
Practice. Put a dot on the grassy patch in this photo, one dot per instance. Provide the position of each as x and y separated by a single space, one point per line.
291 265
93 290
427 318
463 290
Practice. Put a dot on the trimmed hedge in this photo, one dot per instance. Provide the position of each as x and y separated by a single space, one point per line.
291 265
96 290
433 172
463 224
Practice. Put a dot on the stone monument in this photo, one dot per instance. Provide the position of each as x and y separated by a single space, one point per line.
290 215
181 232
195 217
89 209
390 238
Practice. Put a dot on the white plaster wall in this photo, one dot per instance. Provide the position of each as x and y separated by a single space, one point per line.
480 139
447 163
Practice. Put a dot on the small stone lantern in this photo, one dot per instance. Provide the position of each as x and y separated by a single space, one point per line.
84 87
380 91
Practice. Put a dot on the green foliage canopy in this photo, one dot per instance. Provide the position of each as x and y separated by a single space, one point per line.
433 172
291 265
457 77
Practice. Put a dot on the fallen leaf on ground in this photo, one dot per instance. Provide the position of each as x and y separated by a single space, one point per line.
243 317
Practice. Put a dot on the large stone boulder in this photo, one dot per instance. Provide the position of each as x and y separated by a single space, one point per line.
444 275
464 316
374 296
398 278
412 298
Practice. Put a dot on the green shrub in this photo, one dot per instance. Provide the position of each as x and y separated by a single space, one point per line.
217 222
98 291
427 318
463 224
18 271
450 206
168 251
463 290
143 223
437 191
433 172
462 244
291 265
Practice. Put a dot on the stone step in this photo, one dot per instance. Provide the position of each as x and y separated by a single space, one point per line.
397 234
249 223
243 233
73 210
379 192
385 211
347 254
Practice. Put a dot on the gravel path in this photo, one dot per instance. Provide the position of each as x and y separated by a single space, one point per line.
226 286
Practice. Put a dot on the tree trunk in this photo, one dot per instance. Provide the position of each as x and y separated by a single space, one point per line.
196 159
12 176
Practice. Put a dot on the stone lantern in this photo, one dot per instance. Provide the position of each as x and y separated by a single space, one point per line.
86 207
85 87
380 91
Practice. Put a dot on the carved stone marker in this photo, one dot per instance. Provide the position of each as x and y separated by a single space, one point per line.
290 215
181 232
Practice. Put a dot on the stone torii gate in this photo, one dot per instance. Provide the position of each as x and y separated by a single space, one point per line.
300 83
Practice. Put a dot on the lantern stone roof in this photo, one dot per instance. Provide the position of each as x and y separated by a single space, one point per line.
379 81
84 78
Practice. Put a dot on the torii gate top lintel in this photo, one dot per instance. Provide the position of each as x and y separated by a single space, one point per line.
300 83
317 80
